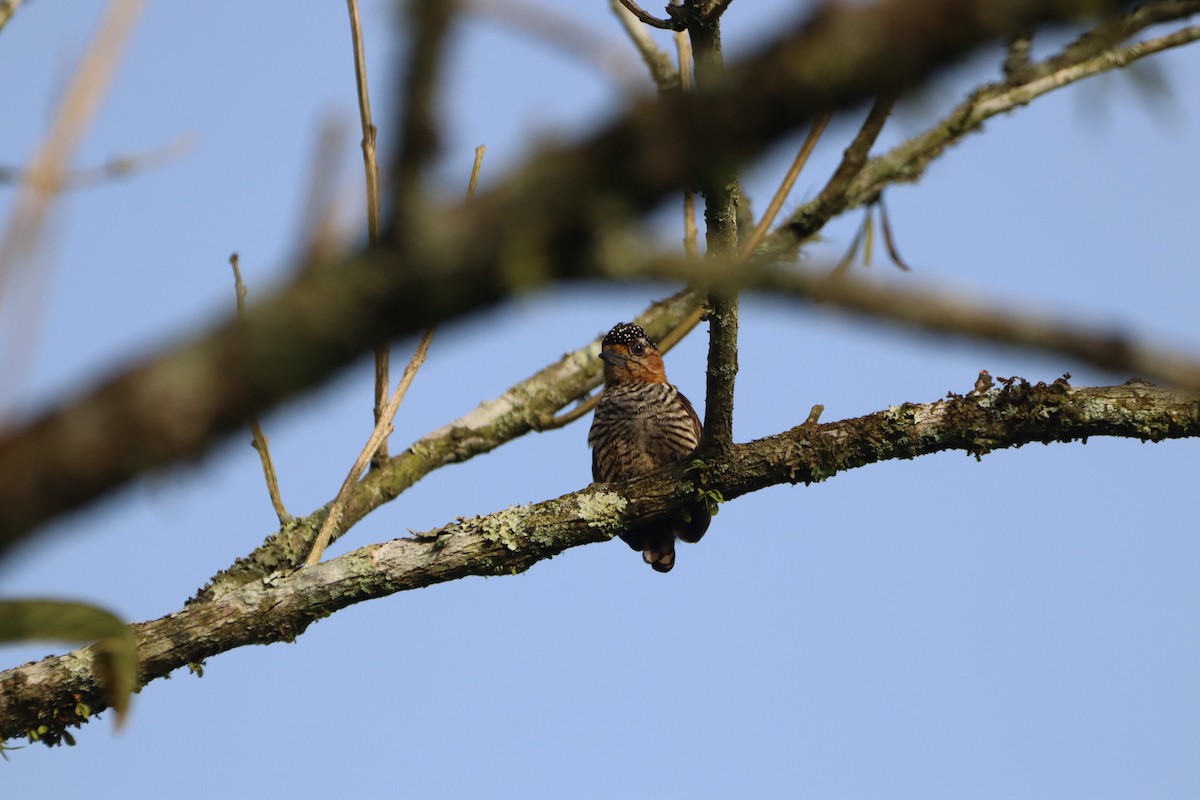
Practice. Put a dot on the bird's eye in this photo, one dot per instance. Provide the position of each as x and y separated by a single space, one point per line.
638 349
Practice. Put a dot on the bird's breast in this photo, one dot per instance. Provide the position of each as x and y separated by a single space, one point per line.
638 428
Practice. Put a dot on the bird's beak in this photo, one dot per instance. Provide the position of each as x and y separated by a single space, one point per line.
613 357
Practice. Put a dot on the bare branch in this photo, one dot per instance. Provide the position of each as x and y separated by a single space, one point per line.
497 421
383 425
259 439
333 312
907 162
7 9
281 607
371 168
79 105
722 195
382 428
928 309
785 186
44 178
673 24
114 169
664 75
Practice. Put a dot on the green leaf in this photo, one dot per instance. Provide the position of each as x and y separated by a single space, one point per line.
115 649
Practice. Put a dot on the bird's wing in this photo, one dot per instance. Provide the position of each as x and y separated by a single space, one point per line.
695 417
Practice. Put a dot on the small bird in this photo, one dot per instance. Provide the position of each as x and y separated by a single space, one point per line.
643 423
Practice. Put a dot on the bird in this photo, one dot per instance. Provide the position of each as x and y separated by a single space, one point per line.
642 423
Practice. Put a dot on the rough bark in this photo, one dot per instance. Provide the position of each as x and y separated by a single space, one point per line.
535 227
280 607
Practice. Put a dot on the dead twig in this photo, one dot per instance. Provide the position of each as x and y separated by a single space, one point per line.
907 162
259 438
7 9
44 178
371 168
691 233
383 425
474 181
666 78
785 186
382 429
113 169
673 24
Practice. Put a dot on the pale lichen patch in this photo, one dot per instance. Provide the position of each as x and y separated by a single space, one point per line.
601 510
504 527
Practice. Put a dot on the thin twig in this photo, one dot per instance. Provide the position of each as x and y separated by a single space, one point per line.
550 423
283 607
666 78
1017 61
833 197
474 181
113 169
907 162
383 426
760 230
377 436
44 178
664 75
650 19
691 234
889 240
298 336
7 9
929 308
785 186
260 442
371 167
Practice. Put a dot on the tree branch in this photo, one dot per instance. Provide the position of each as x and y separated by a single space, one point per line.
258 438
522 408
932 309
666 78
374 226
534 226
281 607
907 162
333 518
722 194
643 16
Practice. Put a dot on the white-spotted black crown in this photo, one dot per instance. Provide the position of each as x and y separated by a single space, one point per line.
627 333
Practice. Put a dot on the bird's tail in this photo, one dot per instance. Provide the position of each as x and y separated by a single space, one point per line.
662 557
657 540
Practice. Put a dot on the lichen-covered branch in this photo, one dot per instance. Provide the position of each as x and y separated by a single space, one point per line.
908 161
519 410
535 227
280 607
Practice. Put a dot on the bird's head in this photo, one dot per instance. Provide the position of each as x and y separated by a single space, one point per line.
630 356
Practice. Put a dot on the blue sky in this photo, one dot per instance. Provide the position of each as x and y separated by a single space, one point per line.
1020 626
